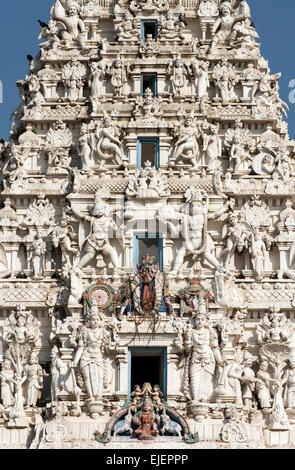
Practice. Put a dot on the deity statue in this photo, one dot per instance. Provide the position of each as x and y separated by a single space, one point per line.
73 74
235 233
118 73
127 29
289 393
197 242
225 77
148 108
96 83
275 328
186 145
108 143
237 154
96 240
171 28
201 78
21 332
147 421
63 235
244 34
74 27
212 147
223 27
203 356
89 357
177 73
91 342
263 385
7 383
257 250
58 371
34 381
37 253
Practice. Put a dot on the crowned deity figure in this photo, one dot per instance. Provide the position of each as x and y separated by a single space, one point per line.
97 239
203 357
196 240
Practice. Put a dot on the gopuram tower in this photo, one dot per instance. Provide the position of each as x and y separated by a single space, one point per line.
147 234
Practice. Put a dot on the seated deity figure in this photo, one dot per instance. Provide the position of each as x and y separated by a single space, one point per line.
223 27
73 24
127 29
204 356
245 34
89 356
97 240
108 145
171 28
197 242
187 146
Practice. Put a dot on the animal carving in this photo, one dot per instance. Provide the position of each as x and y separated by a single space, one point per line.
170 426
124 425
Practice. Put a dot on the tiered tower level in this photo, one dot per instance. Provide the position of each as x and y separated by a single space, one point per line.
147 233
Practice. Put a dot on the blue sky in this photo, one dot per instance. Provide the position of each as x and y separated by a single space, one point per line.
19 32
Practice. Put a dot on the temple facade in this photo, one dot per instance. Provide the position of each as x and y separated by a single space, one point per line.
147 234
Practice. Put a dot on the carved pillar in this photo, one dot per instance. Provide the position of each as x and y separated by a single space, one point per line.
122 373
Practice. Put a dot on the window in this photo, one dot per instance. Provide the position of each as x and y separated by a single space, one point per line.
148 150
151 244
149 29
147 365
149 81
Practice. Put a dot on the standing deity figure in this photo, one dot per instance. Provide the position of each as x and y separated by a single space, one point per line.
289 394
187 146
225 77
201 345
7 384
89 355
74 28
96 84
249 381
21 331
177 73
257 250
197 242
223 27
86 148
201 78
118 73
34 381
63 236
73 74
237 154
263 385
108 145
58 371
37 253
212 147
97 242
235 235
